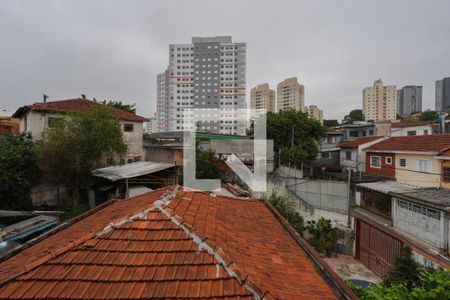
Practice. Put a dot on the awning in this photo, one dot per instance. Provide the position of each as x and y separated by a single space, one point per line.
131 170
387 187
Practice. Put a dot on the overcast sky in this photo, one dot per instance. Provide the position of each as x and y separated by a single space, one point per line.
114 49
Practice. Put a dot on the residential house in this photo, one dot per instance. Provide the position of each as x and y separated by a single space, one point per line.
358 130
390 215
35 118
329 147
172 243
417 160
416 128
352 154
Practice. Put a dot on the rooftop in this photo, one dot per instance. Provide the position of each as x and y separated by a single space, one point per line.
436 197
359 142
418 143
79 105
131 170
168 243
403 125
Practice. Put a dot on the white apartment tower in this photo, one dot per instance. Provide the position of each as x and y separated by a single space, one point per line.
262 99
204 87
380 102
290 95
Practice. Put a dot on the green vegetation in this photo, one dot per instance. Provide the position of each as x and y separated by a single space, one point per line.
207 164
323 235
19 171
74 210
428 115
80 143
409 281
353 116
118 104
295 134
330 123
285 208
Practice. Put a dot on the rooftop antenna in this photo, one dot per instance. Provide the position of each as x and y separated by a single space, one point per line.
44 98
83 96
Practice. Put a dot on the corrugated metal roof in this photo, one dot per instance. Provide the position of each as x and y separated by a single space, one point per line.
131 170
388 186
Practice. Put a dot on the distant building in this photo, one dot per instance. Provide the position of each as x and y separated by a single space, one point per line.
380 102
409 100
290 95
314 112
352 155
204 77
8 125
262 98
358 130
417 128
442 95
151 126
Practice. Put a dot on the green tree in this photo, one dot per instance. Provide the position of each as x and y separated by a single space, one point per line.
80 143
295 134
118 104
330 123
206 164
323 235
428 115
287 210
353 116
405 271
19 171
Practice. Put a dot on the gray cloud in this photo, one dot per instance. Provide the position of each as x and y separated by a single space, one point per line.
114 49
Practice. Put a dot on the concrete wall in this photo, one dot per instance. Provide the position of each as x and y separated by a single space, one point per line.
409 175
134 140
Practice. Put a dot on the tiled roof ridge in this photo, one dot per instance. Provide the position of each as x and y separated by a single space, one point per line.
74 243
222 195
219 255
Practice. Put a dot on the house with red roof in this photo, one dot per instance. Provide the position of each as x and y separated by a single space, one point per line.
351 152
416 128
418 160
35 118
171 243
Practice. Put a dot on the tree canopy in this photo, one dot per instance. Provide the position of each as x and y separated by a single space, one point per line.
353 116
330 123
79 143
118 104
295 134
428 115
206 164
19 171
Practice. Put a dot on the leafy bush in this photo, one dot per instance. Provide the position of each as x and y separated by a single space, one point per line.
406 270
285 208
323 235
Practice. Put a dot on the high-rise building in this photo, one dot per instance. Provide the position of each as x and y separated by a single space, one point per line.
409 100
162 102
442 95
151 125
380 102
262 99
290 94
204 86
314 112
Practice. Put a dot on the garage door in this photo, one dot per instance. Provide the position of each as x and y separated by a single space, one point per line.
375 248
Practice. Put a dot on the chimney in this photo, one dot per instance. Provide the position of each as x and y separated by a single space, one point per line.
83 96
44 98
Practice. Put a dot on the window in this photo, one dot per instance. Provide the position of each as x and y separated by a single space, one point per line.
375 161
325 154
348 155
446 173
402 162
128 127
52 121
425 132
353 133
388 160
422 165
411 132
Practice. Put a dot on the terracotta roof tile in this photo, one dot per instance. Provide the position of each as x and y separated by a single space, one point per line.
147 254
81 105
425 143
403 125
358 142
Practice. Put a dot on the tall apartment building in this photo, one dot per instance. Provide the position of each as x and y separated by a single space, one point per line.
314 112
409 100
204 86
290 94
162 102
380 102
442 95
262 98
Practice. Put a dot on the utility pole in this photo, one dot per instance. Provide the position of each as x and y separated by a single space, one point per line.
349 207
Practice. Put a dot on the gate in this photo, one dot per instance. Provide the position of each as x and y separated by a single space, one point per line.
376 249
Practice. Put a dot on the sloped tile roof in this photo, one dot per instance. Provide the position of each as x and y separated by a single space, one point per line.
79 105
404 125
358 142
419 143
186 245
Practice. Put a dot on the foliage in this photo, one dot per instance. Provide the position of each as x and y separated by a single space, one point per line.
353 116
306 133
285 208
410 119
428 115
19 171
323 235
207 164
118 104
432 285
75 210
405 271
80 143
330 123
